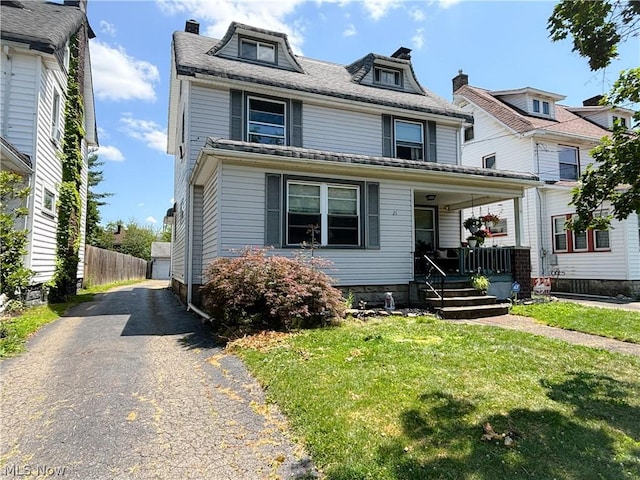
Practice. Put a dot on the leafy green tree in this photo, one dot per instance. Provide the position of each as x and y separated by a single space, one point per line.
14 276
597 29
136 239
95 200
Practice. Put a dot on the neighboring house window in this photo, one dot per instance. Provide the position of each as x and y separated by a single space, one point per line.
560 234
469 134
536 106
568 162
48 201
56 131
387 77
266 121
621 120
409 140
545 108
489 161
255 50
570 241
329 212
67 56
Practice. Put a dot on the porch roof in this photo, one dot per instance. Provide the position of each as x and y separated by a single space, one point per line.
16 159
458 184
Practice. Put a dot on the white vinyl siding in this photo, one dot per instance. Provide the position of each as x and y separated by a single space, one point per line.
209 117
447 144
341 131
210 220
197 240
449 229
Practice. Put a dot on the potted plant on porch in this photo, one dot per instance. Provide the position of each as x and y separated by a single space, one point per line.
472 224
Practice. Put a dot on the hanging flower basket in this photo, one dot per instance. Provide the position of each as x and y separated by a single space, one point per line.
490 219
472 224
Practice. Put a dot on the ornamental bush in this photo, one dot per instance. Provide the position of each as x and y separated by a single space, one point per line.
256 292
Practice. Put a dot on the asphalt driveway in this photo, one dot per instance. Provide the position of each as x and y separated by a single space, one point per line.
131 386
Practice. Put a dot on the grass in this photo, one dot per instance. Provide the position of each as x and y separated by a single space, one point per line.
607 322
15 330
406 399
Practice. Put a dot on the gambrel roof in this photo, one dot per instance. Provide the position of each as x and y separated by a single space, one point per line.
193 57
565 123
44 26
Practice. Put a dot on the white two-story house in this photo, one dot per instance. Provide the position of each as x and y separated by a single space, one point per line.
35 57
267 143
527 130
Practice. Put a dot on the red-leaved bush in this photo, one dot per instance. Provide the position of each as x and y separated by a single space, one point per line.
270 292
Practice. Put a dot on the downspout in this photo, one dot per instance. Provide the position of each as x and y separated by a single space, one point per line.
189 255
539 207
8 65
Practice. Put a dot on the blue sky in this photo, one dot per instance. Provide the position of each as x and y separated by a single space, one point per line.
500 45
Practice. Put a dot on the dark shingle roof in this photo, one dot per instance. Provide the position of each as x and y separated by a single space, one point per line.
319 77
18 154
311 154
566 122
44 26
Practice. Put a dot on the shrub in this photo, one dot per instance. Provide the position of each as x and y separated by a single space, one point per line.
258 292
480 282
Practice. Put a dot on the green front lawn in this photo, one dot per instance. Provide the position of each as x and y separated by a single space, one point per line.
406 399
607 322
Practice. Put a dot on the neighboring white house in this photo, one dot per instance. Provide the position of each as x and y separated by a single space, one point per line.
267 143
35 58
527 130
160 260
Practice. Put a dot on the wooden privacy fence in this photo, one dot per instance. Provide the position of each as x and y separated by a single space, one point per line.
106 266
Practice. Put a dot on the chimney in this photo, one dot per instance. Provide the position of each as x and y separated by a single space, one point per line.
192 27
81 4
403 53
592 102
460 80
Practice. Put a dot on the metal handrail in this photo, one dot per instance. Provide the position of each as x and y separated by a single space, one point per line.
442 278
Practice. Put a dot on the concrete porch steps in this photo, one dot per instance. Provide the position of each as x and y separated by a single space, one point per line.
466 301
474 311
461 301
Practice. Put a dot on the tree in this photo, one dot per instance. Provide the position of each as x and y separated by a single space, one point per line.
136 240
14 276
95 200
597 28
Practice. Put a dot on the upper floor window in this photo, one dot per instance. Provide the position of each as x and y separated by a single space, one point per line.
388 77
328 214
56 131
409 140
66 59
469 134
568 162
536 105
255 50
621 120
545 108
48 201
489 161
266 121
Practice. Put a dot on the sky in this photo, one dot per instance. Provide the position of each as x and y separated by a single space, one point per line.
500 45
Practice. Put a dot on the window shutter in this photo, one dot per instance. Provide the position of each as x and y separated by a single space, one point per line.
432 155
273 201
235 132
373 215
387 145
296 123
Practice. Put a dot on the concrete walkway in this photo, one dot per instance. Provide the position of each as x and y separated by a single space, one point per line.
131 386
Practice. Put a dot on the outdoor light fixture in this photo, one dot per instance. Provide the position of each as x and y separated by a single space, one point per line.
430 197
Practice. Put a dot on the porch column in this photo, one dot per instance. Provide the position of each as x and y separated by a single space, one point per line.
517 210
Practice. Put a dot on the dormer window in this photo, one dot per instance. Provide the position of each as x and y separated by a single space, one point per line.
536 105
259 51
387 77
546 109
621 120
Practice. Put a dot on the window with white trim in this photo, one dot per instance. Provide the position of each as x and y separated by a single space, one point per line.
568 162
601 237
489 161
560 234
409 137
621 120
266 121
56 131
536 105
48 201
326 213
389 77
256 50
545 108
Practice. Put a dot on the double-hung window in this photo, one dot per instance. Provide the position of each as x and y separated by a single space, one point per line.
266 121
255 50
560 243
489 161
323 213
568 162
48 201
56 131
383 76
545 108
409 140
536 105
580 242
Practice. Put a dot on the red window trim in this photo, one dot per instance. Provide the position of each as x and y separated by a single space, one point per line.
591 241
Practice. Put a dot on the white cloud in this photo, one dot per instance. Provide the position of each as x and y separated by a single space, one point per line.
349 31
110 153
141 204
447 3
216 15
416 15
118 76
379 8
418 39
107 28
150 219
147 131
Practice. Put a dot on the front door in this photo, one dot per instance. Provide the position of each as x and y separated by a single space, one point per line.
424 220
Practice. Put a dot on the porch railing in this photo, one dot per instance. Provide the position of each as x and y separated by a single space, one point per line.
467 261
435 276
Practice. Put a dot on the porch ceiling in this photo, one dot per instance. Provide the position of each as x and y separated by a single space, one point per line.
452 201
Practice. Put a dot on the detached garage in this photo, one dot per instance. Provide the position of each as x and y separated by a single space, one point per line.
160 260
